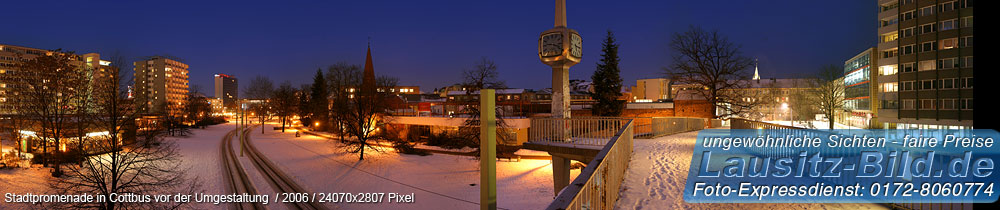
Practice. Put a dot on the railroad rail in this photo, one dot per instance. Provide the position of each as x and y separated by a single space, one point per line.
235 176
279 180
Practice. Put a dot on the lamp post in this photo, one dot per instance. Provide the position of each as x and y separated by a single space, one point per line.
784 106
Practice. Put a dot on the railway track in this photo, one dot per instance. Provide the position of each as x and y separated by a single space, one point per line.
235 176
279 180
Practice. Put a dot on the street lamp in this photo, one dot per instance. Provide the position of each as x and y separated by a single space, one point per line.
784 106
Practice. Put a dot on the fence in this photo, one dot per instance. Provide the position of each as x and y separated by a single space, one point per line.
652 127
598 184
586 131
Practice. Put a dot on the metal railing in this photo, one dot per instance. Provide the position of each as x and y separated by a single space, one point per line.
598 184
585 131
652 127
597 130
662 126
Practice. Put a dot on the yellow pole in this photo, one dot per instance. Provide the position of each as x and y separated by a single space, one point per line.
239 129
487 150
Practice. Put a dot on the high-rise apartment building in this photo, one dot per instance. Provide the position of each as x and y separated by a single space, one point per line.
161 85
860 91
925 63
227 89
11 59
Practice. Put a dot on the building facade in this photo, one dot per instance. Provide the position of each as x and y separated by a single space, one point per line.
227 89
161 85
860 91
773 98
925 63
12 57
651 90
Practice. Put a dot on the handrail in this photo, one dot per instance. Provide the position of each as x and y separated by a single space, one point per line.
576 131
598 184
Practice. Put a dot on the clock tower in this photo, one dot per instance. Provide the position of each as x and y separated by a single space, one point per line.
560 48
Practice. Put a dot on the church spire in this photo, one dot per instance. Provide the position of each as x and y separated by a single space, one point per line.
756 75
369 77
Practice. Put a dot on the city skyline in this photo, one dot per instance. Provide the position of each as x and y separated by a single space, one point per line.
219 38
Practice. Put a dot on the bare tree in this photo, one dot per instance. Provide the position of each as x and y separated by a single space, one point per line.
19 119
196 106
361 104
801 107
122 165
828 92
51 91
710 60
260 88
284 102
343 79
483 75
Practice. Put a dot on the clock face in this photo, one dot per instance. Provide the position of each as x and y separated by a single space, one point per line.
576 45
551 45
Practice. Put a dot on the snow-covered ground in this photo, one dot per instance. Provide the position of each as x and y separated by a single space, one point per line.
437 181
658 171
200 155
23 180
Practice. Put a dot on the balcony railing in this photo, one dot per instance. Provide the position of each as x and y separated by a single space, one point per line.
598 184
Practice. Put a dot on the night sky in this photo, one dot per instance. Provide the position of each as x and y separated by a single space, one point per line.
429 42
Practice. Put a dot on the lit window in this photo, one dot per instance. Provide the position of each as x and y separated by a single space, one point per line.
890 87
890 37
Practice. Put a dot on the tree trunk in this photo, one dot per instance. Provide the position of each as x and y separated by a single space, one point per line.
362 157
45 152
831 120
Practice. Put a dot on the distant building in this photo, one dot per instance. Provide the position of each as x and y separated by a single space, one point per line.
443 91
925 64
227 89
161 85
860 91
771 96
651 90
217 106
11 57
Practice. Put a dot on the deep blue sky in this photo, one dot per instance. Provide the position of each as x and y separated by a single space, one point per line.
429 42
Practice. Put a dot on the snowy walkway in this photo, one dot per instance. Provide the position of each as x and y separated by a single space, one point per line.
658 171
437 181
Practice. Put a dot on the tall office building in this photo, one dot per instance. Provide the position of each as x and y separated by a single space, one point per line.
925 63
227 89
860 91
161 85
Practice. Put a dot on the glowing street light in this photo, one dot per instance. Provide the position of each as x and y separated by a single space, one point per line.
784 106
